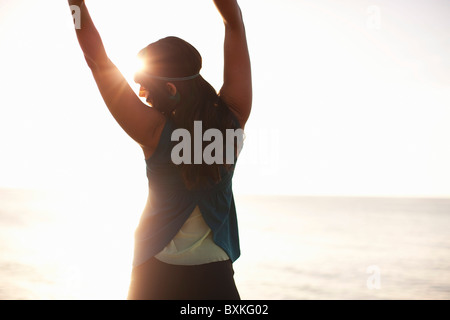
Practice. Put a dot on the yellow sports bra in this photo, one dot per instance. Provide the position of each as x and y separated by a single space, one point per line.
193 244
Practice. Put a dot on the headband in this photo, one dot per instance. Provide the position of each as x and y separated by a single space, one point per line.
171 79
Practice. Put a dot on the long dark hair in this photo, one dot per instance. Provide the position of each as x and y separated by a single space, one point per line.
196 100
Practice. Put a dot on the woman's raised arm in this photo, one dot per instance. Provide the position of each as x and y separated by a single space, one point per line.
140 122
237 86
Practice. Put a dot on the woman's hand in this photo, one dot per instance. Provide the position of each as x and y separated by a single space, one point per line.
230 12
75 2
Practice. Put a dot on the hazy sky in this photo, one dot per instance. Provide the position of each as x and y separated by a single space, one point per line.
351 97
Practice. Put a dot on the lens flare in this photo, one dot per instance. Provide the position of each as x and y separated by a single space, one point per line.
139 65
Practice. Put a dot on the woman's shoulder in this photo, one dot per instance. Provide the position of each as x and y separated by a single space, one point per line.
159 132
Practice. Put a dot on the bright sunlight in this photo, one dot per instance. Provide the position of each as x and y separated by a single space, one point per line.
345 103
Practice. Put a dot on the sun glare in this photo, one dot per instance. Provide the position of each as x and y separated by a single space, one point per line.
129 67
139 64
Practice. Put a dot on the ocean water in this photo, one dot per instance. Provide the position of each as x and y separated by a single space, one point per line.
78 245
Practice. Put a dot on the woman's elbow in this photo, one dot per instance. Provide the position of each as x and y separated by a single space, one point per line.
97 63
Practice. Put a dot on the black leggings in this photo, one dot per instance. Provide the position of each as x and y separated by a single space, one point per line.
155 280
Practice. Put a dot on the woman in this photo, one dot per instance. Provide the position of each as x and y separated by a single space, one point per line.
187 238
